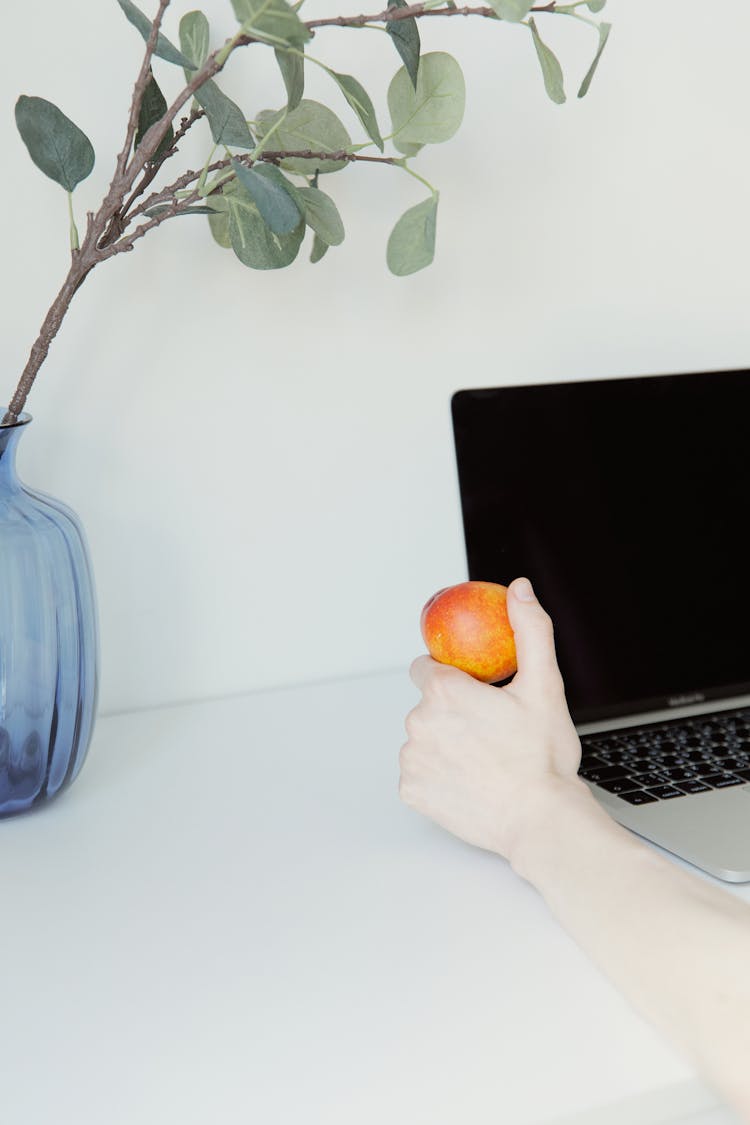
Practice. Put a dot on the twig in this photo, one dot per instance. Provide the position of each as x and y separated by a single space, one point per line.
140 88
414 11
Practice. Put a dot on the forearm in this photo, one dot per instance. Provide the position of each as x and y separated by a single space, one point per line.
677 947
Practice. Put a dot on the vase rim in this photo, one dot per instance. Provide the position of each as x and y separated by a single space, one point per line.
23 419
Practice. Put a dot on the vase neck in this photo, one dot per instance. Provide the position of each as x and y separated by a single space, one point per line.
9 438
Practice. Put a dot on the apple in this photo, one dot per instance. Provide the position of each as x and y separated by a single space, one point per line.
467 626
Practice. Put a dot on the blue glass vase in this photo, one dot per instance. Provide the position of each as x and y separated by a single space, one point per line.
49 643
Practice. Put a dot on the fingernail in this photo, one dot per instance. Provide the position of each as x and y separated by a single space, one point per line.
523 590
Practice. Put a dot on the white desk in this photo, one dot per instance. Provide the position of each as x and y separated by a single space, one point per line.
231 918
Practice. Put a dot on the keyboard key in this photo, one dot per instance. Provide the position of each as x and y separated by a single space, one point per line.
743 773
678 774
664 792
602 773
695 786
647 779
722 780
732 763
620 785
637 797
591 760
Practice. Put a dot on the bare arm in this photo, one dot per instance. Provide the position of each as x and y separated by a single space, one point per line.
498 767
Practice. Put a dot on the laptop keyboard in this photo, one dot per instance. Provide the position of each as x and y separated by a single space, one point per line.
660 761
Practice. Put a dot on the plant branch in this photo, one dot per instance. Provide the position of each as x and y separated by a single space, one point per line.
140 87
80 268
168 193
149 175
414 11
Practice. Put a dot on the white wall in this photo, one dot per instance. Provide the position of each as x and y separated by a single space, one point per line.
263 461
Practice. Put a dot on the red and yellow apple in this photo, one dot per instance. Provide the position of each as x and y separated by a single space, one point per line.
467 626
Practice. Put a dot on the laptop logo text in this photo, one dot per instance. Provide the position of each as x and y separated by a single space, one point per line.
688 697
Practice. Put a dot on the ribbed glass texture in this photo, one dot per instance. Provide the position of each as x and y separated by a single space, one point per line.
49 646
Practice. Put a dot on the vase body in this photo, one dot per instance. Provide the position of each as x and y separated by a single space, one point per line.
49 645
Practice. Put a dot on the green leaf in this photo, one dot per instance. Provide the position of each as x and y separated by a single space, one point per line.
225 118
310 127
267 187
405 36
604 30
512 10
292 69
162 208
322 216
596 5
218 221
411 246
57 146
164 49
433 111
275 21
319 249
195 40
359 100
551 69
252 241
153 108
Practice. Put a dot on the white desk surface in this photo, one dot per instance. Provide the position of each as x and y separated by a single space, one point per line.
231 918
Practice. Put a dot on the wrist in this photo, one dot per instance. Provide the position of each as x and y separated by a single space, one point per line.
559 806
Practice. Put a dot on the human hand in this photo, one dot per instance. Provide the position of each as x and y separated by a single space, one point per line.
482 761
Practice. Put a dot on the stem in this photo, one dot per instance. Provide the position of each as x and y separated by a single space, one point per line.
78 272
414 11
416 176
75 244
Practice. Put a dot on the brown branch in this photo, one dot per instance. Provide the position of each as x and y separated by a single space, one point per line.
168 193
150 172
140 88
80 268
414 11
177 208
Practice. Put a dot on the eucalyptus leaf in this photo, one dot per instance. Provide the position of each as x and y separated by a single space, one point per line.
312 127
405 36
319 249
195 38
225 118
153 108
292 69
411 245
266 185
596 5
162 208
275 21
551 69
253 242
512 10
164 49
604 30
322 216
433 111
218 220
359 100
56 145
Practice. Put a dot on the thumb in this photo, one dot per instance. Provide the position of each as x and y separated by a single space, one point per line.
535 644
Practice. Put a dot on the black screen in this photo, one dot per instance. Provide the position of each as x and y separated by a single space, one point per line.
625 501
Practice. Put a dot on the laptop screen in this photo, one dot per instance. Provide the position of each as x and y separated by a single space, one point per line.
627 503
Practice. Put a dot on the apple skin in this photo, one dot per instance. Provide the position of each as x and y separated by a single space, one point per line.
467 626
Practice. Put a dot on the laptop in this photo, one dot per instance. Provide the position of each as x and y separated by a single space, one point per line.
626 501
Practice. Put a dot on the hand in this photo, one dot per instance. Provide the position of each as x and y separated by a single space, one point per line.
480 760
